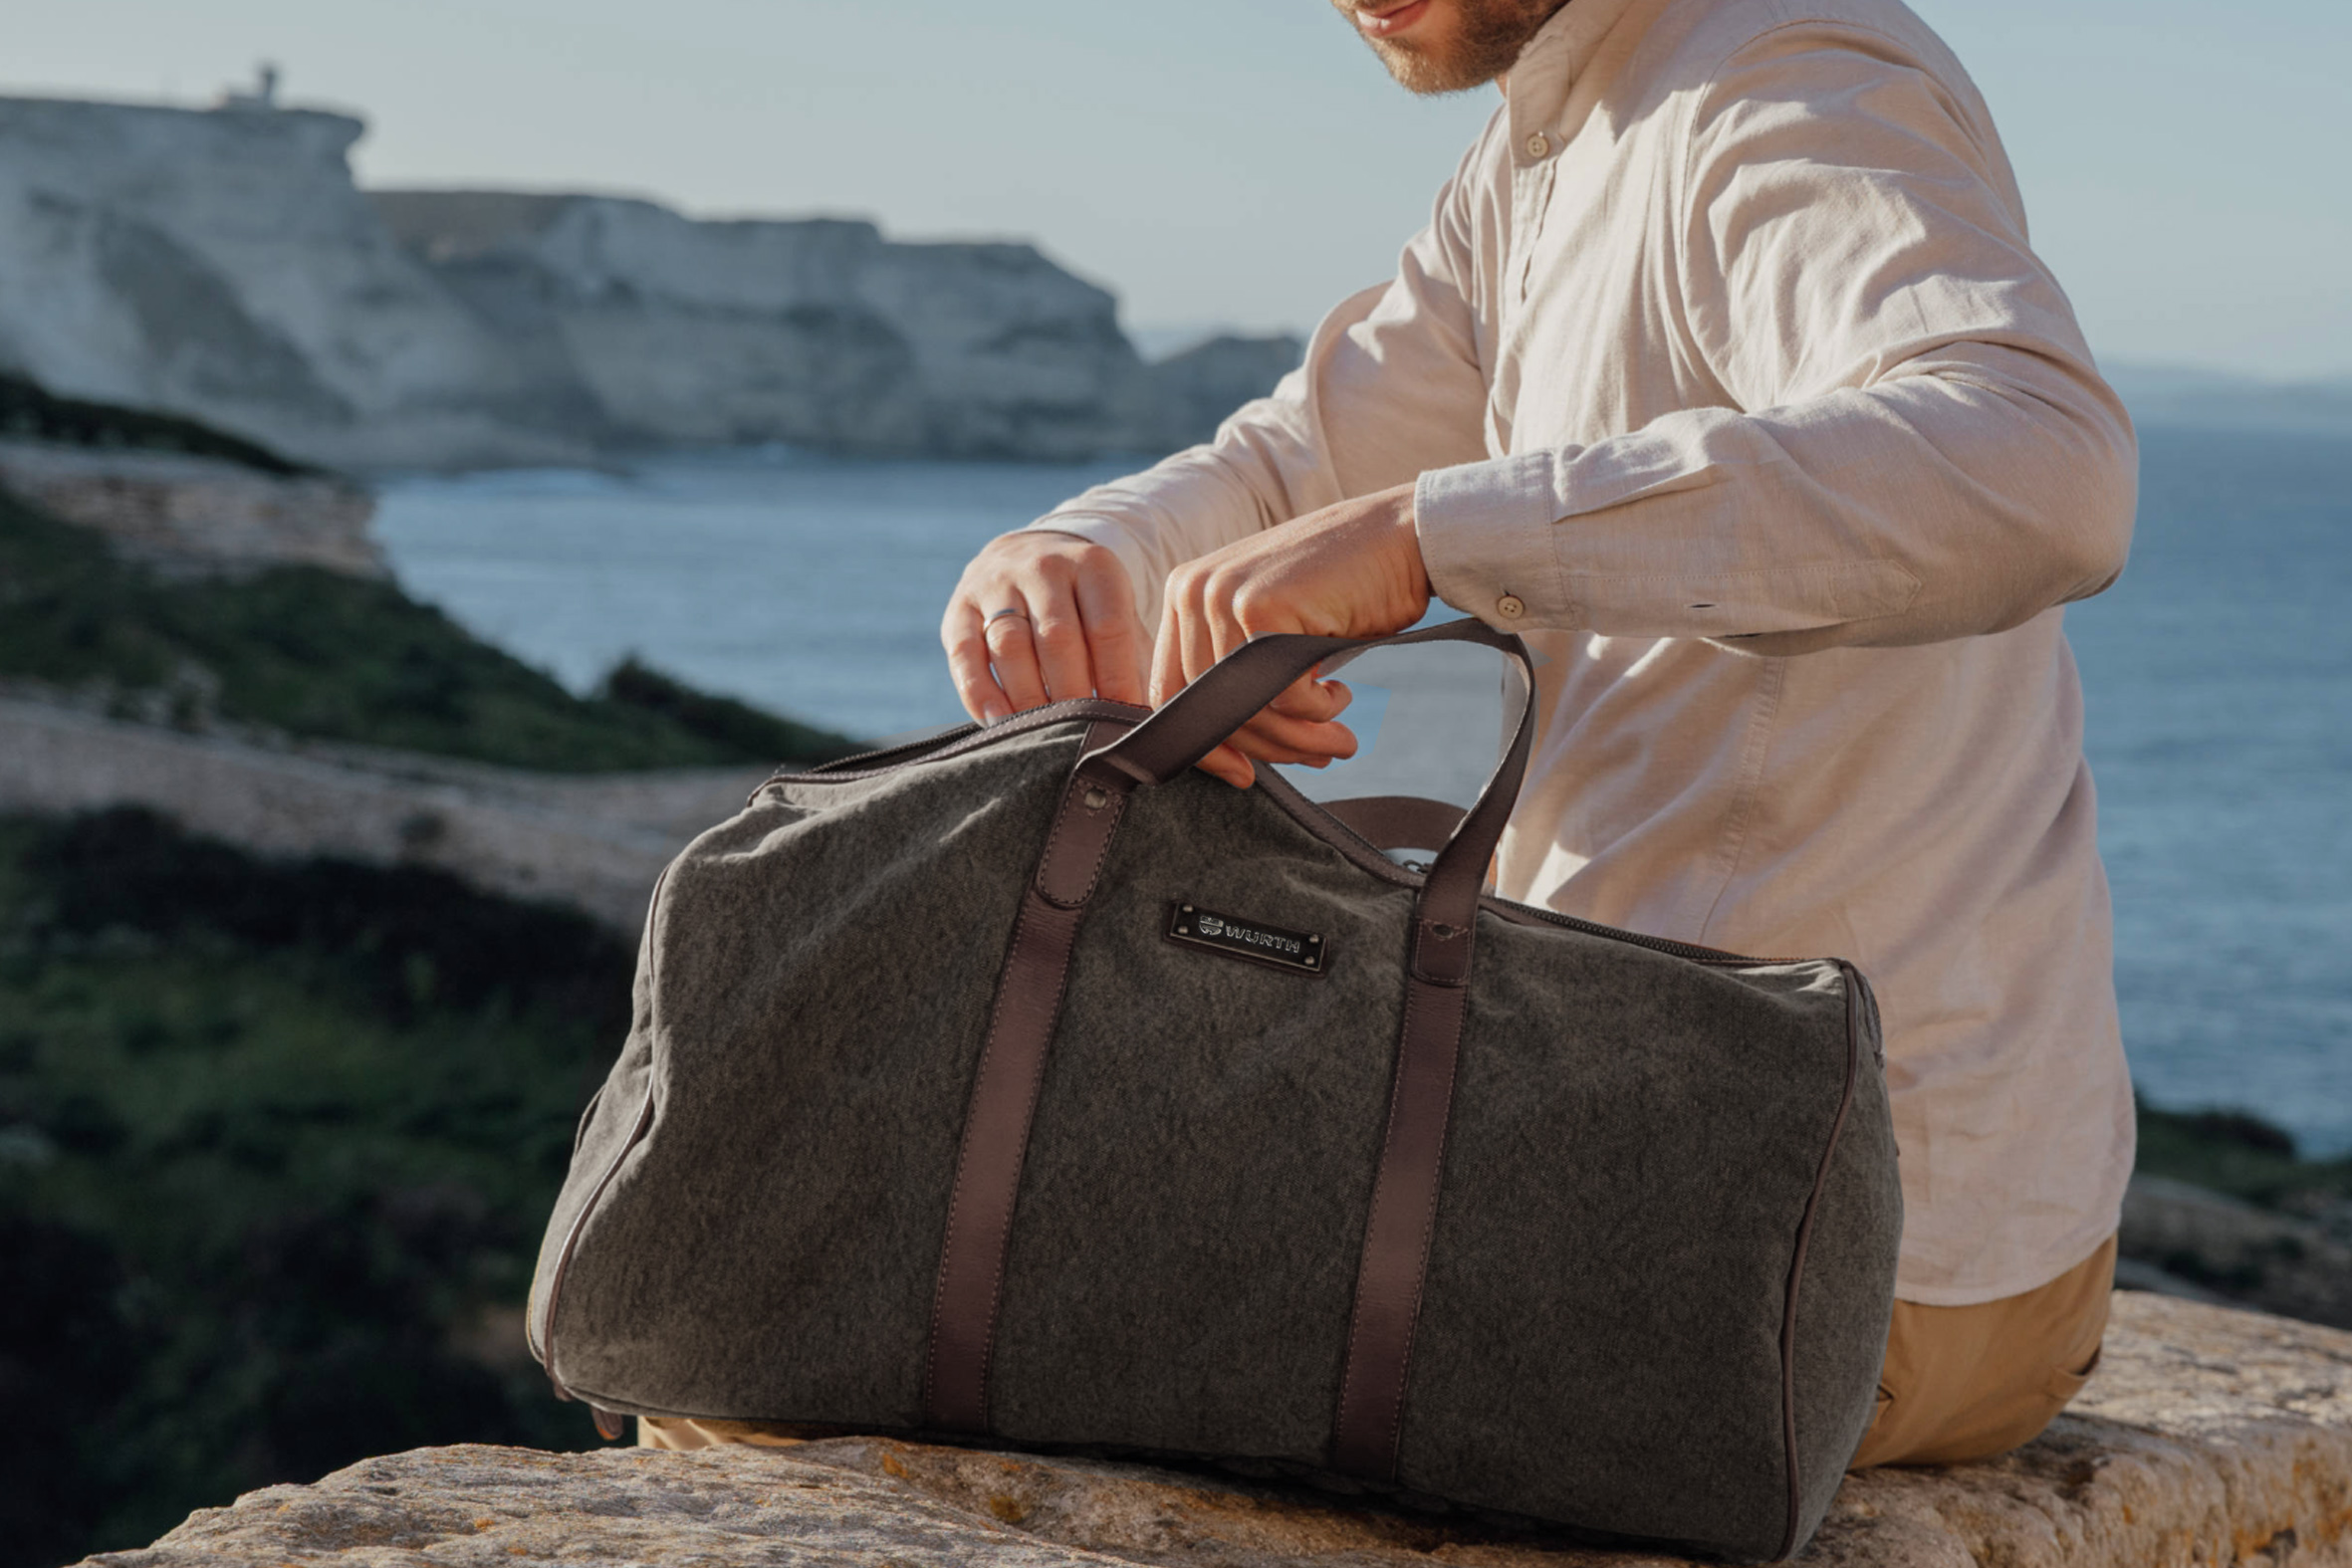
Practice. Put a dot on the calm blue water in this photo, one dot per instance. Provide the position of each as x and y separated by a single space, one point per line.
2217 675
811 585
2218 683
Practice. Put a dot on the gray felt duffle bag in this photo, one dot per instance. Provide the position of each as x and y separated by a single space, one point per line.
1026 1085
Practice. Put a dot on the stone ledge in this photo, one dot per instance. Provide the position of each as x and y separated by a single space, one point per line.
2208 1436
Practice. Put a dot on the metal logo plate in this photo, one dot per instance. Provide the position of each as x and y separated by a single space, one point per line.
1300 951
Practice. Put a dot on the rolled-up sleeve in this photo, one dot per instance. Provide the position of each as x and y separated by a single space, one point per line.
1390 387
1912 443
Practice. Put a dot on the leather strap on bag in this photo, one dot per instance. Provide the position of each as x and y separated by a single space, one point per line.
1199 718
1005 1095
1396 822
1369 1419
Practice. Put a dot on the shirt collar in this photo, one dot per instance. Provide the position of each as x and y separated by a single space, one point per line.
1547 68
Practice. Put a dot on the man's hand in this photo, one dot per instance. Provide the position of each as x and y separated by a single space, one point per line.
1075 632
1350 570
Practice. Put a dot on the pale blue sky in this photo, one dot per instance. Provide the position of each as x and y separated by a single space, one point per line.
2188 167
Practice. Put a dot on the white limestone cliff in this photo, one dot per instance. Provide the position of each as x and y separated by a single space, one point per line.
222 264
811 330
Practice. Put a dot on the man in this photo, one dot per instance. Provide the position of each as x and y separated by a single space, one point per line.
1724 374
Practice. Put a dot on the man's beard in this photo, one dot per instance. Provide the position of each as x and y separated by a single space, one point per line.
1487 41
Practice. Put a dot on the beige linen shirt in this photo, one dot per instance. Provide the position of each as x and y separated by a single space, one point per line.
1729 378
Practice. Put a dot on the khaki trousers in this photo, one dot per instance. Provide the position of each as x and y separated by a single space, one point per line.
1959 1382
1968 1382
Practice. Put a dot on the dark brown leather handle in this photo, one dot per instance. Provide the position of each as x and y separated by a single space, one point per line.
1200 718
1197 718
1012 1064
1396 822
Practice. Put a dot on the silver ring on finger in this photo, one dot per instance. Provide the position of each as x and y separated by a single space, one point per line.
1014 611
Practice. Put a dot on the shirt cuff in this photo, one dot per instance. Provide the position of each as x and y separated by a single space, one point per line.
1487 539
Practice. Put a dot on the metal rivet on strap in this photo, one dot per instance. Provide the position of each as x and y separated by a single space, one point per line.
1097 799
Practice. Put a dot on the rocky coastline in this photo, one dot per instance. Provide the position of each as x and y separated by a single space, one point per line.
223 264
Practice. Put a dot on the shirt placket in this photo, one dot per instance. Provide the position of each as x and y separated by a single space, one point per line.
1535 167
1532 180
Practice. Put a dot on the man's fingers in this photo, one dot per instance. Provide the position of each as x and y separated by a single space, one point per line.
1183 648
1273 739
1196 630
1232 762
1312 700
1115 642
968 666
1083 630
1016 661
1228 765
1163 664
1199 645
1057 639
1074 630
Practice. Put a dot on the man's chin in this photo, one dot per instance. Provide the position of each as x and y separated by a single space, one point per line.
1464 44
1426 72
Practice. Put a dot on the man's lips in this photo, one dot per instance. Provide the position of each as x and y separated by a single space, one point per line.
1391 21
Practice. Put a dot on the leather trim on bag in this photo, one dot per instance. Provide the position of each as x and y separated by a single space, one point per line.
1796 1265
1397 821
995 1143
1369 1424
1203 715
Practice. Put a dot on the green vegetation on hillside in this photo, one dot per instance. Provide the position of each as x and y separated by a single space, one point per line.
276 1146
311 653
29 413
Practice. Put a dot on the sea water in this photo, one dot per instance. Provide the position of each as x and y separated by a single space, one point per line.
2217 675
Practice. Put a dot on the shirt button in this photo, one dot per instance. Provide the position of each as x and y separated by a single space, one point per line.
1538 145
1510 607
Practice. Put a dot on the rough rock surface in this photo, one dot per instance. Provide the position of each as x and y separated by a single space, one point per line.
597 844
198 516
2208 1436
